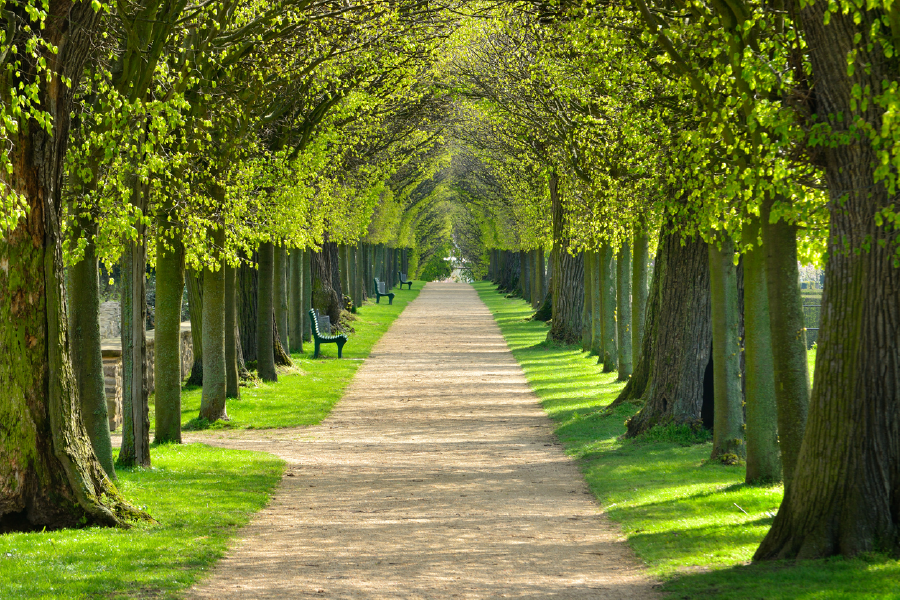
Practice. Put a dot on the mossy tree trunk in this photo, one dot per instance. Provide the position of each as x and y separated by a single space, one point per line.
248 297
610 356
669 377
568 276
325 297
525 276
639 262
212 401
845 494
307 293
623 311
728 433
763 455
167 351
265 342
232 336
49 474
280 291
84 345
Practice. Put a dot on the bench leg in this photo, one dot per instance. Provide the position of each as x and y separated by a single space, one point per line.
377 299
390 298
340 346
316 353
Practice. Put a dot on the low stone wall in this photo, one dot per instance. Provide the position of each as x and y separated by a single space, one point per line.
111 349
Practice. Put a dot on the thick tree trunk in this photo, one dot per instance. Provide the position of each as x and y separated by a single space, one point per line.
728 434
568 276
135 407
265 339
610 356
845 493
232 336
84 346
280 290
194 281
248 297
212 401
49 475
639 262
540 279
307 293
623 311
167 351
295 309
763 456
324 297
587 308
525 276
669 378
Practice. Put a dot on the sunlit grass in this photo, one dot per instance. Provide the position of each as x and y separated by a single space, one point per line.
199 497
695 525
306 393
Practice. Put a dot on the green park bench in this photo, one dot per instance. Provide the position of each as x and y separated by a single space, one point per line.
321 332
404 280
380 291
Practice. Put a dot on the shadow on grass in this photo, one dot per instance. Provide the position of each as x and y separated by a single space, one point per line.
693 523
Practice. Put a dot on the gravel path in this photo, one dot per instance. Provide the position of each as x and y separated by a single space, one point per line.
436 476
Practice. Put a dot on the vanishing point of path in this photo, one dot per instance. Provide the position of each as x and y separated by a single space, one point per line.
436 476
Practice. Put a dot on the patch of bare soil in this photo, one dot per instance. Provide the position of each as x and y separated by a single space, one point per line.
436 476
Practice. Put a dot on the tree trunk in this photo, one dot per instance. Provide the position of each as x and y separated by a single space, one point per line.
280 294
845 493
135 406
295 310
623 310
265 341
526 275
639 290
248 297
167 351
307 293
670 376
212 401
84 345
610 356
49 475
728 434
568 276
763 457
596 306
587 315
194 282
232 335
324 297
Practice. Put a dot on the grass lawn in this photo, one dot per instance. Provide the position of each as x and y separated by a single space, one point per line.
695 525
199 495
305 394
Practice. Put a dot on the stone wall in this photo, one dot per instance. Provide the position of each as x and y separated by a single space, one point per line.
112 369
110 320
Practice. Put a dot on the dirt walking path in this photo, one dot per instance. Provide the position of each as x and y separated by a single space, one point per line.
436 476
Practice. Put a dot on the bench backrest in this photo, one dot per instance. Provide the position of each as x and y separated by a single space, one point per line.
324 322
381 289
403 277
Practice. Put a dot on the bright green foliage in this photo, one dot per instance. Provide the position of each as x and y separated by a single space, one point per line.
682 515
199 497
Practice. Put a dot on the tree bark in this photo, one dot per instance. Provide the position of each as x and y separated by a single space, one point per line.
669 378
623 311
307 293
167 351
248 297
597 305
295 309
194 282
135 407
265 341
610 356
49 475
845 493
763 456
232 336
212 401
728 434
280 290
587 315
639 290
568 276
84 345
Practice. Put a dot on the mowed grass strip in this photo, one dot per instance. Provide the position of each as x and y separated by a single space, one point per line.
695 524
306 393
199 497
